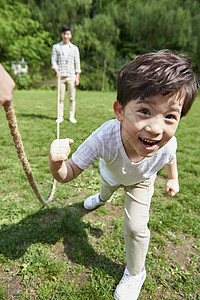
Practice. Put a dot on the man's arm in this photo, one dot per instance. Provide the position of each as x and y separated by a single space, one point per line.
63 170
7 86
77 65
54 61
172 185
57 73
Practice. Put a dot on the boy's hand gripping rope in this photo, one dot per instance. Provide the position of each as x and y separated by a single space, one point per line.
12 122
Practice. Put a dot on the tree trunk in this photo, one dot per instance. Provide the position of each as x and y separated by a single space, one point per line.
104 73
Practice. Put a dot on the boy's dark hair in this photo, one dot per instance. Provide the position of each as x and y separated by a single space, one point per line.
158 72
65 28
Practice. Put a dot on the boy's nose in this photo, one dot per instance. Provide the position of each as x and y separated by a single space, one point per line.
154 127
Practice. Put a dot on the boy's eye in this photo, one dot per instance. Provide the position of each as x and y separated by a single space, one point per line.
145 111
170 117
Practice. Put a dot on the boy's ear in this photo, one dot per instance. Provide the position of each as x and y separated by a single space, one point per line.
118 110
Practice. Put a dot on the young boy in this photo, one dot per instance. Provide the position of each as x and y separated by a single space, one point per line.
153 92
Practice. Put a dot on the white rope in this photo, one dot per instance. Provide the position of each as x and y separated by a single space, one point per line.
58 107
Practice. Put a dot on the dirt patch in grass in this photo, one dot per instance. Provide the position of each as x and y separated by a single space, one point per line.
61 251
181 253
111 213
180 260
48 218
12 284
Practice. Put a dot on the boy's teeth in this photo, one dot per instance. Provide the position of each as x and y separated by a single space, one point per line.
149 141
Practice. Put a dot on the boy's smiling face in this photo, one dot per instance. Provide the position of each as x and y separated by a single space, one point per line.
148 124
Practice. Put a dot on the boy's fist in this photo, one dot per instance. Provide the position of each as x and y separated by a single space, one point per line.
60 150
172 187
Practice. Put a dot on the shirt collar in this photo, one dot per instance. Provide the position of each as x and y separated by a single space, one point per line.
70 44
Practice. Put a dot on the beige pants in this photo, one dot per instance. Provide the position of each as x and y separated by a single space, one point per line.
69 84
136 217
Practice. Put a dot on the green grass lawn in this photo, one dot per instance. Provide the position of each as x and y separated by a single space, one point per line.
62 252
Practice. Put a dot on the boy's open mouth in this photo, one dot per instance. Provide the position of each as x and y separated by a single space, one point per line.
148 142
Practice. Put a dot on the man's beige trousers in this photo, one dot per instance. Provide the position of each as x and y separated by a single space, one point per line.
67 83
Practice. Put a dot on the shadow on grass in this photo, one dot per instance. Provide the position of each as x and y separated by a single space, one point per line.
48 226
37 116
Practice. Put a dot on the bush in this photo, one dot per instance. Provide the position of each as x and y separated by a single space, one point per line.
23 82
91 81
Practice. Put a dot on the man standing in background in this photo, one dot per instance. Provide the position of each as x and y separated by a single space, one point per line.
66 63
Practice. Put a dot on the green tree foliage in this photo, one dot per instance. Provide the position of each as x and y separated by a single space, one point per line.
96 37
154 24
52 14
21 36
108 33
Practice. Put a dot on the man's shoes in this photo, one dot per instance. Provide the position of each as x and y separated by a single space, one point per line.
94 201
60 120
72 120
129 287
